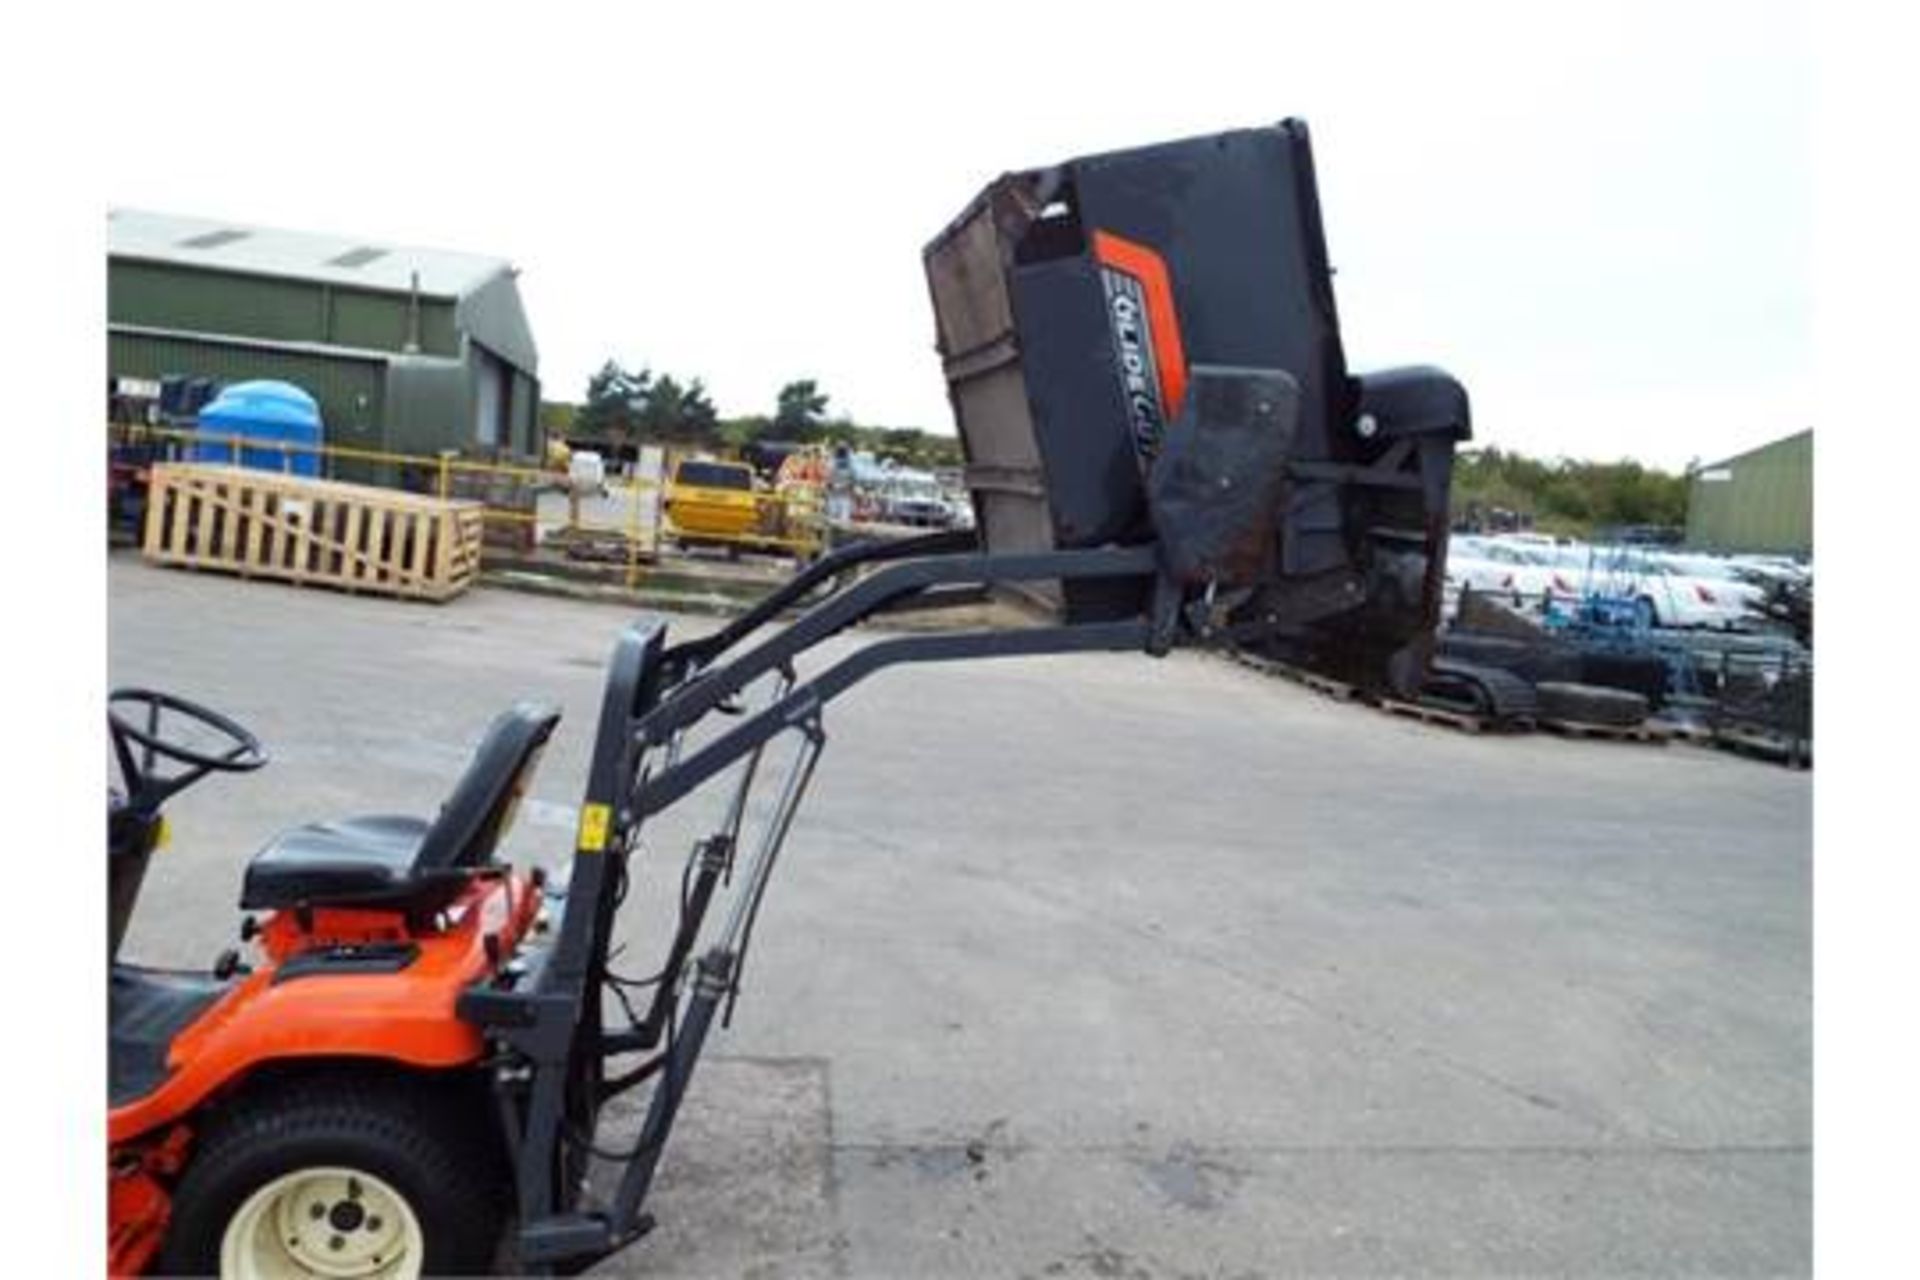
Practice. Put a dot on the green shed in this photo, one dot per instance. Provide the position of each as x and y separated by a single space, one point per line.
407 350
1760 502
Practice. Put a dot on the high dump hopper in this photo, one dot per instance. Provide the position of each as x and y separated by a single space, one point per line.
1077 309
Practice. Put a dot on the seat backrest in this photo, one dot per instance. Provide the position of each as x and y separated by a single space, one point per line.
481 807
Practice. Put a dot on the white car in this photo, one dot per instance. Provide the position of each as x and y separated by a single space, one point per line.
1763 570
1670 596
1541 541
1499 567
915 498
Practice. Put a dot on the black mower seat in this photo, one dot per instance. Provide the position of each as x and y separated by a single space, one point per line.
349 858
400 861
146 1009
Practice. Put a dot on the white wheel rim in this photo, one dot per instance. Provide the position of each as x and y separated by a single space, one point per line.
326 1222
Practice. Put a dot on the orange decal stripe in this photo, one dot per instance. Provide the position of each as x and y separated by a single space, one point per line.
1150 269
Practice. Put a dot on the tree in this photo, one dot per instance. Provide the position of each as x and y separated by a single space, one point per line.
660 411
623 407
736 433
802 407
1567 494
613 407
682 415
840 429
698 417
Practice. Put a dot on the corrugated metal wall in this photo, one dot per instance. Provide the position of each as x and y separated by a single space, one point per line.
379 320
159 296
401 402
1759 502
351 392
162 297
493 316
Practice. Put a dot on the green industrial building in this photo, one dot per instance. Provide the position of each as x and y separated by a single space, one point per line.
407 350
1760 502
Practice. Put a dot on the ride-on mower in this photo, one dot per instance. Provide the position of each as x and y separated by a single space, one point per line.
411 1073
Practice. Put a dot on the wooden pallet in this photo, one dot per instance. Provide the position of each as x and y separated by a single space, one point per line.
1795 754
1686 730
1464 721
262 524
1335 689
1643 732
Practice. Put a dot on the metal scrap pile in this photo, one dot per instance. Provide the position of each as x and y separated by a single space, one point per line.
1589 662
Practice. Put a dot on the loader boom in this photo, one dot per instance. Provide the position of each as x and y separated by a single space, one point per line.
1223 483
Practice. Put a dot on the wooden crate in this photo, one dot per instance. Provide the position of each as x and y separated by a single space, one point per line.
262 524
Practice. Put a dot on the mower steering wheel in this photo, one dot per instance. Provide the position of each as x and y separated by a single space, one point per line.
143 783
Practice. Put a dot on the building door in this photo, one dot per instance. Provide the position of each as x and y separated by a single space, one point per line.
490 398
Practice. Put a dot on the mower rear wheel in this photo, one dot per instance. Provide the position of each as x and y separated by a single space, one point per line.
337 1178
323 1221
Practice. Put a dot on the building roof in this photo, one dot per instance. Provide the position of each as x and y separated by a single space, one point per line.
301 255
1759 449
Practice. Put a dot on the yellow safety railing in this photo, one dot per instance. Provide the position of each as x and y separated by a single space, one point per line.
443 465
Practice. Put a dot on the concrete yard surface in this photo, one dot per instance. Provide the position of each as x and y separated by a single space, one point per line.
1113 967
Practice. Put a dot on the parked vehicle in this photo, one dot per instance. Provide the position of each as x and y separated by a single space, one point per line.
1531 539
723 504
1700 564
1500 567
1767 572
1668 596
712 501
915 498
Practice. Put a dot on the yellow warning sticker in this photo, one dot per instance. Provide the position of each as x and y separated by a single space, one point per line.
164 836
594 820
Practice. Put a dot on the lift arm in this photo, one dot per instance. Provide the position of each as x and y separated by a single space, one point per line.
545 1011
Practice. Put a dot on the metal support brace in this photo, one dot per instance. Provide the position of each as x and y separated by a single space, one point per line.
548 1023
716 865
713 977
717 976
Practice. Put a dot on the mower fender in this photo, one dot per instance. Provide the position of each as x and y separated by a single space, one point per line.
284 1013
401 1018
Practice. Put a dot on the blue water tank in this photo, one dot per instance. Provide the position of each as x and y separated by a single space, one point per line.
266 411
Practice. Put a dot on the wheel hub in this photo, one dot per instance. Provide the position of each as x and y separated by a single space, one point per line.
324 1222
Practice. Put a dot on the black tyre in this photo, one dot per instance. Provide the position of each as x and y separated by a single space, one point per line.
1590 704
1536 659
382 1177
1475 646
1454 693
1642 673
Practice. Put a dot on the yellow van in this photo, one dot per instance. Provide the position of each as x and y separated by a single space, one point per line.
711 500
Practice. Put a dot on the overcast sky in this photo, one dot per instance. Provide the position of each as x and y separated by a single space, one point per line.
1596 216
